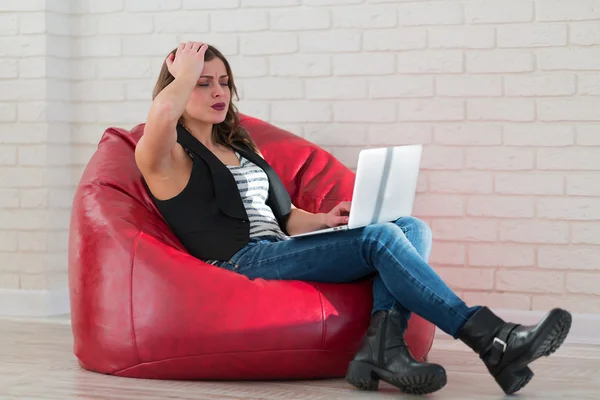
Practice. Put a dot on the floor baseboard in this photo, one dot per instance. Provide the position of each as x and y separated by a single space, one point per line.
584 329
34 303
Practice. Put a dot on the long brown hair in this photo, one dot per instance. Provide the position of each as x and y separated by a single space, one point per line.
229 132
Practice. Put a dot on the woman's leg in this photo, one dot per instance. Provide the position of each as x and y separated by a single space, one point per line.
351 255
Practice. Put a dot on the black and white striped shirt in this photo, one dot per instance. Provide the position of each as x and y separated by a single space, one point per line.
253 184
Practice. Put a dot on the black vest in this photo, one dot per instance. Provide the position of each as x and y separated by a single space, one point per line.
208 216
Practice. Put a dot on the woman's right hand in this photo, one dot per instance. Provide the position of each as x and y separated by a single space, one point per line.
188 60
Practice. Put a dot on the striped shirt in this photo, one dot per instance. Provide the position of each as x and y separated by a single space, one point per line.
253 185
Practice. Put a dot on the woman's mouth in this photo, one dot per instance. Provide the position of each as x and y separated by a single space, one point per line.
219 106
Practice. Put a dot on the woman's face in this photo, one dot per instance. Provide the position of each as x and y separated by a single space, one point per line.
210 98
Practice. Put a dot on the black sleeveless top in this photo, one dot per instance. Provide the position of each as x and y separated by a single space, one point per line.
208 216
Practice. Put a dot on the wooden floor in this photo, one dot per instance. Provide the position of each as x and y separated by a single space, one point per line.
36 362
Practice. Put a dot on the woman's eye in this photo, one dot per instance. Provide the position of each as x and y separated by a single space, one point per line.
224 84
203 84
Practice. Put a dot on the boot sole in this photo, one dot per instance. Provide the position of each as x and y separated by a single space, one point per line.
365 376
517 374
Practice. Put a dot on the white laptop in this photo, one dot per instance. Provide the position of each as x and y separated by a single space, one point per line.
384 189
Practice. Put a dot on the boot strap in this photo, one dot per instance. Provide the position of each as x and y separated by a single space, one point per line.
499 344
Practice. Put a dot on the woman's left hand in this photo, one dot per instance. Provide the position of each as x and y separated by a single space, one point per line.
338 215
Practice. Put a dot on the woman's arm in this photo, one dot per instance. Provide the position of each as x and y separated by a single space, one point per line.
301 221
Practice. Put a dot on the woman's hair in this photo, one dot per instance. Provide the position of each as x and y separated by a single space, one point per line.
229 132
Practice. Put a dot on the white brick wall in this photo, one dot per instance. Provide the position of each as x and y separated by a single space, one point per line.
504 94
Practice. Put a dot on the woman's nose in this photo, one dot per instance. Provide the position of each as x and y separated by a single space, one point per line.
218 91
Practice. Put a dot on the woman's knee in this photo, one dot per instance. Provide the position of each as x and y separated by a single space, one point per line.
416 226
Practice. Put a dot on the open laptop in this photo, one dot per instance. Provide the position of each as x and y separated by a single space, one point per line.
384 189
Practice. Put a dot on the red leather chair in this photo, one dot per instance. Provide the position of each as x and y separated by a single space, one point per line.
143 307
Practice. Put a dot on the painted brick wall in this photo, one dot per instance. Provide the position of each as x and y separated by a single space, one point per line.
505 94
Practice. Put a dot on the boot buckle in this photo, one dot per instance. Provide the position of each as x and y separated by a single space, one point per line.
500 341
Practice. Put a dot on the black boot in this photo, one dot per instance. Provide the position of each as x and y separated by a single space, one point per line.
507 349
384 355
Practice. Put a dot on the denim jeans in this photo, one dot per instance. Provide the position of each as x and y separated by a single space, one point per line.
394 253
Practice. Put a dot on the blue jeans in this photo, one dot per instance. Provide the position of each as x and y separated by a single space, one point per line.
396 254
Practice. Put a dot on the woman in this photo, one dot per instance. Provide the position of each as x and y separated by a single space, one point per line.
229 208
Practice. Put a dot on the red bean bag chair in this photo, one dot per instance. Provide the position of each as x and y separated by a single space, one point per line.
143 307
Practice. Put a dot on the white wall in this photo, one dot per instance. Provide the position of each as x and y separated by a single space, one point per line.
503 93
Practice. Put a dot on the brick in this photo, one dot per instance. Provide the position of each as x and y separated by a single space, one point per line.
270 3
33 241
469 86
190 21
540 85
571 58
569 159
58 241
583 283
248 67
528 231
84 25
330 2
546 135
149 45
300 65
498 11
128 112
11 177
256 109
446 253
332 88
138 90
33 282
62 198
569 258
332 134
575 10
300 19
93 7
59 24
364 111
537 183
268 43
99 91
499 61
582 109
239 21
214 5
8 240
22 262
9 68
22 219
363 64
365 17
469 37
436 61
430 14
508 301
395 39
35 155
464 182
439 205
8 155
444 158
301 111
9 281
501 255
330 41
24 46
467 278
124 24
273 89
431 110
9 198
517 110
398 134
400 86
530 281
107 46
569 208
589 84
8 112
500 206
23 90
572 302
585 34
153 5
583 184
465 229
472 134
499 158
532 35
9 24
347 155
33 111
585 233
